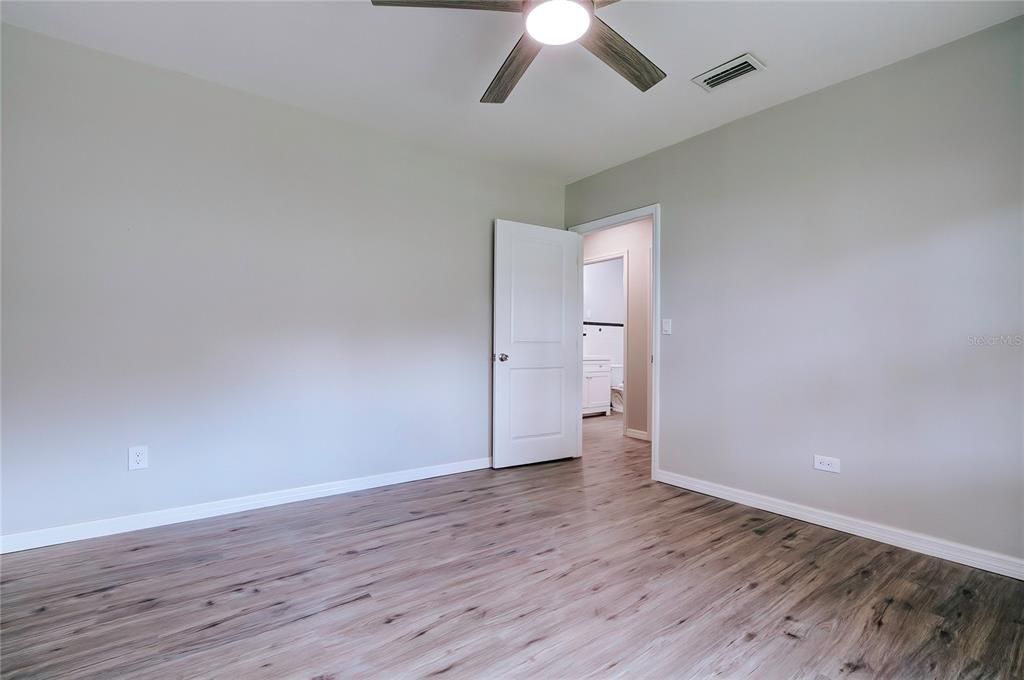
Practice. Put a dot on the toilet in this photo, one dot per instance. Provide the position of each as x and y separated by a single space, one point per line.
617 398
618 390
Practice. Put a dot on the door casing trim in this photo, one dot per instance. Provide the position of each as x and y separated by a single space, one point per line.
654 213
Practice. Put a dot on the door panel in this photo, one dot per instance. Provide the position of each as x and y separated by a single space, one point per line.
537 401
600 390
538 290
537 310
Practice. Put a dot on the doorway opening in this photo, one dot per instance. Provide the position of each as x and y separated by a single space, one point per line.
604 334
619 341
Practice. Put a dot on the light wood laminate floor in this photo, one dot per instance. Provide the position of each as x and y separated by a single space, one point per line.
564 570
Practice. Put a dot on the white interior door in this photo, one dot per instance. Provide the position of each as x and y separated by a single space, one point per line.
538 277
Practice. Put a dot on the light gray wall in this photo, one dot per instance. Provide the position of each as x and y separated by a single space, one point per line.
828 264
604 301
265 297
604 295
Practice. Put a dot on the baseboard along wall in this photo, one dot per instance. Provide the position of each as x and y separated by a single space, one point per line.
998 563
145 520
929 545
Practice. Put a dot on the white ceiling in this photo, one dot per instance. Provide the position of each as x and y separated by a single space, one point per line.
419 73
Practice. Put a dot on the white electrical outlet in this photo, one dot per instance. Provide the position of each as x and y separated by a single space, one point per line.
138 457
826 463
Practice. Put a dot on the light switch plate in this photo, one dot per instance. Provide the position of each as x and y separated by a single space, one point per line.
666 326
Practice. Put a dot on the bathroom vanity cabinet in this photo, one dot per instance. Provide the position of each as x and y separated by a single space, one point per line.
597 385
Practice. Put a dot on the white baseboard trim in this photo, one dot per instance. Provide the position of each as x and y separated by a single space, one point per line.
902 538
638 434
144 520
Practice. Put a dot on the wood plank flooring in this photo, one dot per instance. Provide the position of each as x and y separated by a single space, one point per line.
564 570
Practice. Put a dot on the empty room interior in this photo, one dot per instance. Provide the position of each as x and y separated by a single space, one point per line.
551 339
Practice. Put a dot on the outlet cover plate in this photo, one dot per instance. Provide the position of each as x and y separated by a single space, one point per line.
138 457
827 464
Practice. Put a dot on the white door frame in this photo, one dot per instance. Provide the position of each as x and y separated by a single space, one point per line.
653 212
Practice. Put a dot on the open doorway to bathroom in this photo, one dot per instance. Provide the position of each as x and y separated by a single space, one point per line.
618 341
604 334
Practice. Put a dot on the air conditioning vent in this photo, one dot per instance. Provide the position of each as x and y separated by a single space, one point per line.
728 72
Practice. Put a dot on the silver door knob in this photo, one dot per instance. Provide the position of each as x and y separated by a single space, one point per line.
502 357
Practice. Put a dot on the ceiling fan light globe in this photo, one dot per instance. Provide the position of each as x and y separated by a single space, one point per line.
557 22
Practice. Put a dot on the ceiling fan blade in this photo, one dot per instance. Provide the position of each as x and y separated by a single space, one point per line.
611 48
492 5
521 56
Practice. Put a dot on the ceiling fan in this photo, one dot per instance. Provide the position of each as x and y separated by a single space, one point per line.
553 22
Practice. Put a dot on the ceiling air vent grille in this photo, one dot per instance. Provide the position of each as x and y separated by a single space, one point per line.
728 72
